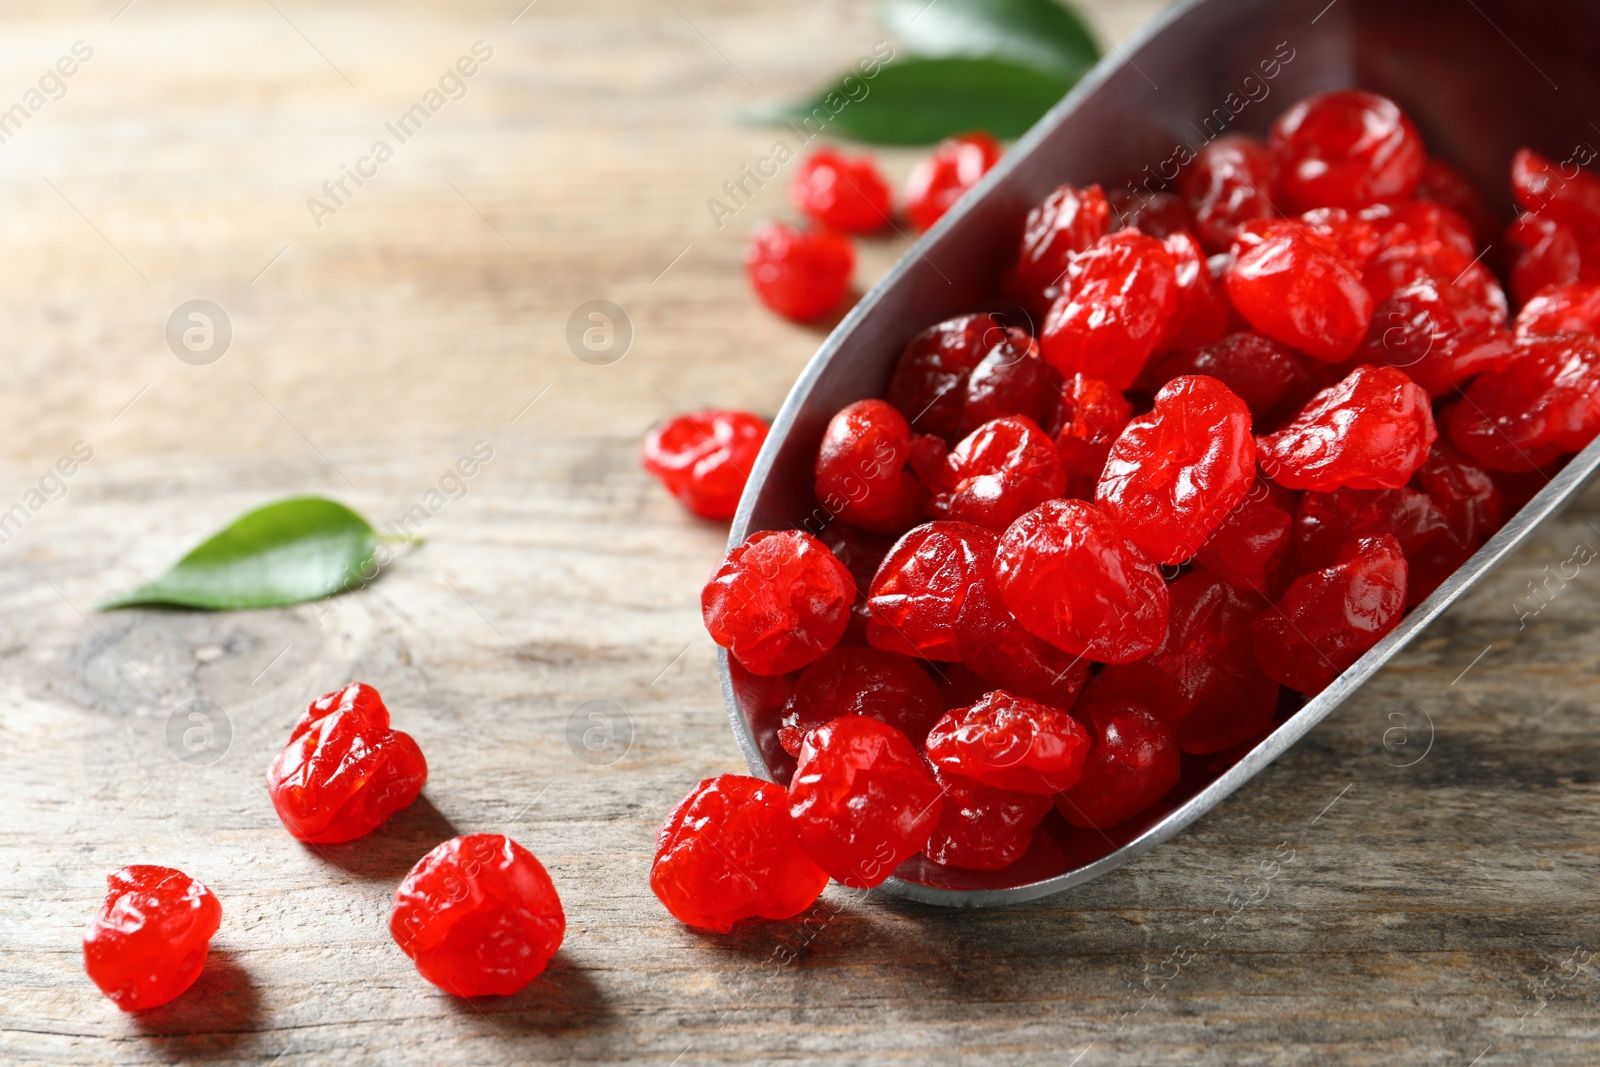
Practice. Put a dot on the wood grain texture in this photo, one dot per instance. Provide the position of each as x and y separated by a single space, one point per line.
1361 902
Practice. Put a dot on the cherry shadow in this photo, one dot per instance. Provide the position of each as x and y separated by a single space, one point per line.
392 849
209 1019
563 1000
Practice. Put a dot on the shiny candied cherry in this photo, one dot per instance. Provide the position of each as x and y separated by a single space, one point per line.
981 828
1325 522
861 473
929 383
1176 472
800 274
1560 309
728 852
918 594
1436 332
1297 287
1419 240
887 686
1203 312
478 915
1473 504
1004 655
1231 181
1002 469
1011 380
1068 221
1544 253
1009 742
1155 213
1370 431
344 771
1203 680
1119 300
778 601
1093 413
1253 546
1346 148
1132 763
1544 404
149 940
862 800
1266 374
1070 577
955 166
705 458
1544 187
841 192
1329 618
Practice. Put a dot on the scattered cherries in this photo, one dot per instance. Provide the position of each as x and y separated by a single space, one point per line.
148 943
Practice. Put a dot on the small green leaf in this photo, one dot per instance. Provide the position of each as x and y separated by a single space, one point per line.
287 552
920 101
1041 34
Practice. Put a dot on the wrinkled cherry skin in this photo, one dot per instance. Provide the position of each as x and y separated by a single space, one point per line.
1325 522
1009 742
1231 181
1203 681
800 274
1346 148
1438 334
841 192
1063 224
1560 309
1544 404
1254 544
1370 431
1298 288
1011 380
479 916
888 686
1002 469
778 602
1545 253
938 182
929 383
704 458
1202 313
1093 413
1266 374
980 828
149 940
728 852
862 800
860 472
1070 577
1474 506
920 591
1329 618
1119 301
1176 473
1132 763
344 771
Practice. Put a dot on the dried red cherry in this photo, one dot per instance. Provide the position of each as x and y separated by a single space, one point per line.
1231 181
800 274
1265 374
1325 522
1297 287
149 940
728 852
1070 577
1473 505
841 192
887 686
1329 618
1132 763
1011 380
862 800
919 592
1177 472
478 915
1346 148
938 182
1119 300
861 469
1546 189
1202 311
344 771
1063 224
778 601
1009 742
1544 253
1093 413
1002 469
929 384
981 828
1561 309
1437 333
1253 545
1544 404
704 458
1370 431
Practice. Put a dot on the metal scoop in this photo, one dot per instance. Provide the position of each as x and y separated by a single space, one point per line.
1481 78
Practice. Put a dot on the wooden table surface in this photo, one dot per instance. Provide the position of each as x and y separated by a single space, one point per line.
1430 850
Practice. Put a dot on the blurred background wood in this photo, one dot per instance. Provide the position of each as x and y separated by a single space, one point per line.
1413 883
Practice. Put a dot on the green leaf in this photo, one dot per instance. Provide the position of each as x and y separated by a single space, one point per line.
920 101
1041 34
287 552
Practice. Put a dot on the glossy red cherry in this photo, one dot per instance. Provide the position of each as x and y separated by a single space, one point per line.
800 274
1253 546
841 192
778 602
705 458
1561 309
149 940
919 593
1063 224
929 383
938 182
1370 431
981 828
1297 287
1132 763
1119 301
888 686
1002 469
1346 148
1438 333
1231 181
1544 404
861 473
1009 742
1266 374
1093 413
